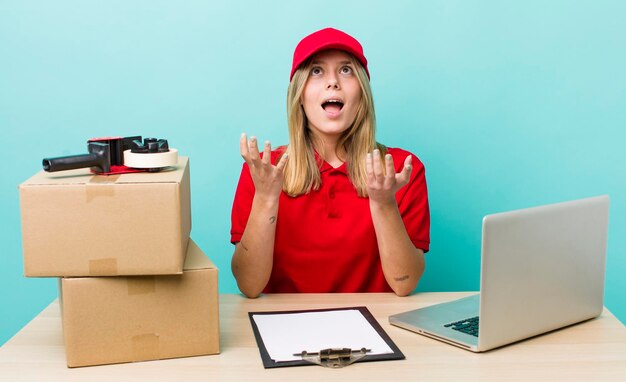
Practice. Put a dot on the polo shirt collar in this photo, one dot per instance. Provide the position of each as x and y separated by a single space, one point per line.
325 166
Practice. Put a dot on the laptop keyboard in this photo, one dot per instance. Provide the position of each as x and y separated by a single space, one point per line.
467 326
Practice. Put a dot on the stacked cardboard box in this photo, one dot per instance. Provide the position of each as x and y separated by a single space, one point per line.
133 286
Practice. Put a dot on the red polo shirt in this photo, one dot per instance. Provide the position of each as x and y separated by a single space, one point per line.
325 240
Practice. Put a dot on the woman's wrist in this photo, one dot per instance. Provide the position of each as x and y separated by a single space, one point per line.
266 201
383 205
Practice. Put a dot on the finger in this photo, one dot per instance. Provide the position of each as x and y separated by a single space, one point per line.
408 162
282 162
378 167
254 150
369 168
267 153
243 147
243 144
405 175
390 169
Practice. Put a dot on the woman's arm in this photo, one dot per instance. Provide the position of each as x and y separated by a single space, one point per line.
402 263
253 256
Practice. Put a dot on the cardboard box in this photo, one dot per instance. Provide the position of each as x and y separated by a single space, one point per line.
137 318
75 223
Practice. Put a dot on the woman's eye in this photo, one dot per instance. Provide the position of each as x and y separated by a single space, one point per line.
316 71
346 70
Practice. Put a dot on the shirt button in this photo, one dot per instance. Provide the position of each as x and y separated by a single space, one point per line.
334 215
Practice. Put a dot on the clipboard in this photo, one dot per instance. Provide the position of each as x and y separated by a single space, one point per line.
268 362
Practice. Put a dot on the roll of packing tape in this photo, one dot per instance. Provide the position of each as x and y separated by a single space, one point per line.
151 160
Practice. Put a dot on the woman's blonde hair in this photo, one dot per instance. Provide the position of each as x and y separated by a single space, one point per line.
302 172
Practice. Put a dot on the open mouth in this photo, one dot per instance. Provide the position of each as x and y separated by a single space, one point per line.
332 106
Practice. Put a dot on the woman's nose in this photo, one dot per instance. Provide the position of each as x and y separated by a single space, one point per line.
332 83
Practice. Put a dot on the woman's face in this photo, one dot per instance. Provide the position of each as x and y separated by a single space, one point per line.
331 94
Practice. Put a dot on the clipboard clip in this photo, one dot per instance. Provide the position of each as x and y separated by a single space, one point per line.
333 358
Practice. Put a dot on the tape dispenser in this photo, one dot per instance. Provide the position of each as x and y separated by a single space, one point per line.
117 155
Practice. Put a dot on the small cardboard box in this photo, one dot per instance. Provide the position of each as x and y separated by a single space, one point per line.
75 223
136 318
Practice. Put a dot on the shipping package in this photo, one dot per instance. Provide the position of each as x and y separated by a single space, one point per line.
137 318
75 223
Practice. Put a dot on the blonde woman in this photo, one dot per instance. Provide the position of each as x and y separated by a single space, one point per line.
334 211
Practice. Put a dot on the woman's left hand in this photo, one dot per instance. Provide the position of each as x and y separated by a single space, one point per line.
382 187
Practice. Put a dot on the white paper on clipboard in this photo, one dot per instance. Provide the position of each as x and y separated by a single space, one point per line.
287 333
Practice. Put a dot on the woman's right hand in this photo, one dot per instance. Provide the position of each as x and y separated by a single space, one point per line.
267 178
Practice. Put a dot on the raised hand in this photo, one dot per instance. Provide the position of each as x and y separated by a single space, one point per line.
382 187
402 263
267 178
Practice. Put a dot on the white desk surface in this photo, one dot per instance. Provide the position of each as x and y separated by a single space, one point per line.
594 350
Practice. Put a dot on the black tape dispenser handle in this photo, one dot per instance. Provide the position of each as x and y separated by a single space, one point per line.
98 158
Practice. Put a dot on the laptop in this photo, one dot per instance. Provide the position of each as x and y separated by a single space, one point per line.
542 268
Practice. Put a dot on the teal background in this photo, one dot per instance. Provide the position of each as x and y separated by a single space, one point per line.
508 104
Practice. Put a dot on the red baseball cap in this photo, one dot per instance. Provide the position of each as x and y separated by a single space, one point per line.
324 39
